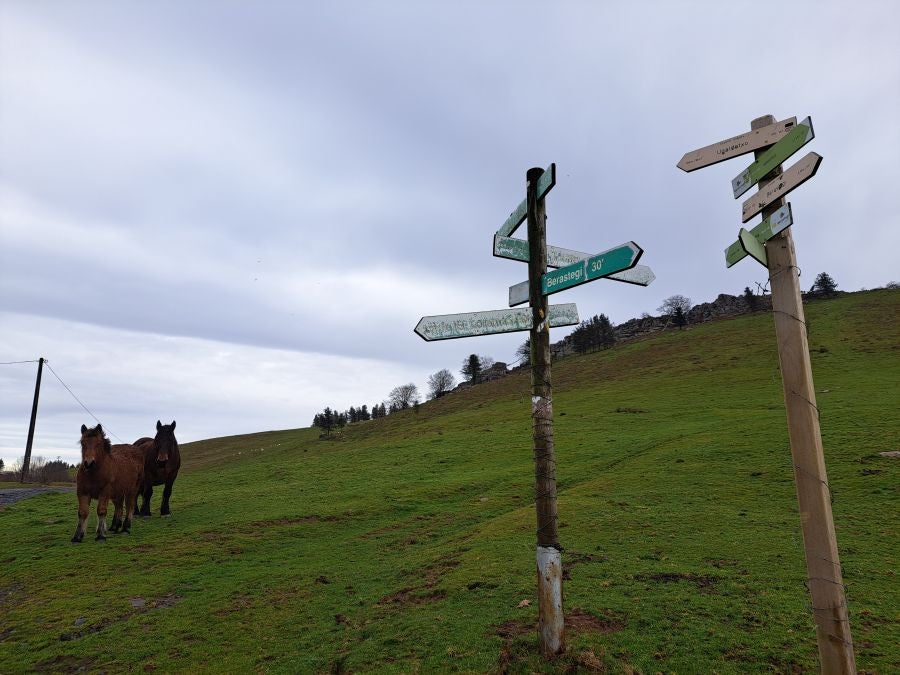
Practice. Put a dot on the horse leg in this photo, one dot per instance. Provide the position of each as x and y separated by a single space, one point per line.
130 505
117 514
147 494
101 517
84 502
167 492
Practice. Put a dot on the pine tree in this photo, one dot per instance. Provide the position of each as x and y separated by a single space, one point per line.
824 284
750 298
679 318
471 368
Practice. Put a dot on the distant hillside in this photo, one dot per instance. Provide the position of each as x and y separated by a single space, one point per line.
407 545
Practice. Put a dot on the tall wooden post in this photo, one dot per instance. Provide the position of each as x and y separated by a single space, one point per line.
826 588
549 559
26 463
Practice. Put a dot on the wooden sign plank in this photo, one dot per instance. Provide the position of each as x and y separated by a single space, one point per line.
768 228
544 184
639 275
793 178
799 136
752 247
597 266
472 324
736 146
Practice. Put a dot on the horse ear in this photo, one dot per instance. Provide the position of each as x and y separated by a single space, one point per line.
158 425
83 429
100 428
173 425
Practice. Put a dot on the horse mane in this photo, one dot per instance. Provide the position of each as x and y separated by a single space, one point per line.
107 444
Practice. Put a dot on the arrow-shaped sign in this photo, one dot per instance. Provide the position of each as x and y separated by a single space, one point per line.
517 249
517 217
639 275
768 228
794 177
735 146
596 267
752 247
471 324
799 136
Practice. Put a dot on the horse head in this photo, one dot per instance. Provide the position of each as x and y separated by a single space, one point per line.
94 444
165 442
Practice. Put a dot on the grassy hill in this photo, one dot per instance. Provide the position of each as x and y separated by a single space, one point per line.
408 544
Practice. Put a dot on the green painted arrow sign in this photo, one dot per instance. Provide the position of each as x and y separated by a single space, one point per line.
517 217
752 247
768 228
596 267
796 138
472 324
639 275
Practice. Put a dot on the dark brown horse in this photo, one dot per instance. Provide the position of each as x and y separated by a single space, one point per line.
161 463
107 472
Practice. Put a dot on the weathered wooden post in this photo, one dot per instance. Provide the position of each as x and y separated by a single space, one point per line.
574 268
771 244
26 463
549 558
823 566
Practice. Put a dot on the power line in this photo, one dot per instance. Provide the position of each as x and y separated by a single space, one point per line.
47 363
12 363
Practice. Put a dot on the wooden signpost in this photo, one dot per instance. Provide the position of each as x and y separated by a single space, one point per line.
472 324
574 268
771 244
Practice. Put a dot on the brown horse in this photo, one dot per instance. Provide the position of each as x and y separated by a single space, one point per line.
107 472
161 463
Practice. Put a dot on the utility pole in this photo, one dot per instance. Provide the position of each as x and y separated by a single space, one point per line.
34 406
549 558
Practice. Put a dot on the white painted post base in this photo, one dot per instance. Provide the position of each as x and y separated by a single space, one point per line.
550 601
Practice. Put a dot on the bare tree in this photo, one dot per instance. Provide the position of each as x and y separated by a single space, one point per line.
403 396
671 304
440 383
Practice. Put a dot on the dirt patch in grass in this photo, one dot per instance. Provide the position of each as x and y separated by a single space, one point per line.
576 621
579 621
407 597
705 582
64 664
11 594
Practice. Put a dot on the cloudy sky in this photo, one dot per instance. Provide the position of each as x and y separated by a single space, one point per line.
233 214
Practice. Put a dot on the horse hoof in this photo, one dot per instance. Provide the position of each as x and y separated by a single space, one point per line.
101 538
76 540
165 515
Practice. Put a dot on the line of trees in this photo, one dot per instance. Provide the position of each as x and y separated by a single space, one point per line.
590 335
593 334
40 470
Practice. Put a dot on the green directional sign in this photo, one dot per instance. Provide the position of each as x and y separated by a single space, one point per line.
517 217
768 228
596 267
753 248
795 139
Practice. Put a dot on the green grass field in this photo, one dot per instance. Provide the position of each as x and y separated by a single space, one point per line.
407 545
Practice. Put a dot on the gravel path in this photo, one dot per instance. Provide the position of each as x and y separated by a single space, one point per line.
12 495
